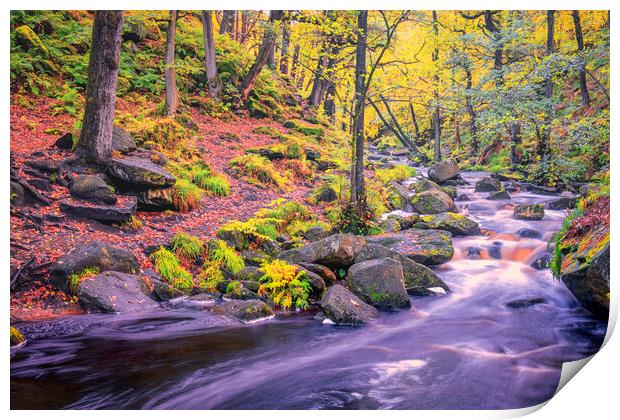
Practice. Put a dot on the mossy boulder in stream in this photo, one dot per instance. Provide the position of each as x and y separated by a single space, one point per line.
432 202
443 171
336 251
488 184
529 212
455 223
344 308
380 283
427 247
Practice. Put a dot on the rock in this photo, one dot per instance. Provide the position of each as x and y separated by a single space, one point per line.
529 233
344 308
92 187
336 251
405 221
455 223
562 203
473 252
18 195
380 283
316 282
451 191
525 303
249 273
156 199
122 140
65 142
427 247
253 257
134 31
424 184
455 182
327 194
432 202
241 293
114 292
245 310
443 171
122 211
488 184
529 212
46 165
41 184
26 38
135 173
156 289
315 233
418 278
326 274
400 196
542 261
462 197
499 195
92 254
390 225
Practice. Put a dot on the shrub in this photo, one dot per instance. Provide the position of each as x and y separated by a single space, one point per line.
186 246
219 251
285 285
258 169
215 185
395 173
133 224
169 268
186 196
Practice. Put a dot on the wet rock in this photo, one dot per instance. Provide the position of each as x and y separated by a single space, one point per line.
542 261
432 202
122 211
344 308
92 254
451 191
405 221
245 310
156 289
499 195
241 293
137 173
419 280
18 195
495 251
443 171
156 199
529 233
65 142
462 197
122 140
92 187
326 274
525 303
488 184
427 247
473 253
562 203
380 283
424 184
114 292
455 223
335 251
529 212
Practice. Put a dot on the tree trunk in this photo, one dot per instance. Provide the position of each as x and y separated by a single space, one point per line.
545 135
436 114
286 39
172 95
245 22
95 142
585 95
214 81
473 133
550 27
457 131
265 50
499 51
318 85
358 190
295 62
227 22
416 128
515 141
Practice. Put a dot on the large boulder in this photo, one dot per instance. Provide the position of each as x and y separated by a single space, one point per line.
419 280
562 203
92 254
455 223
156 199
135 173
529 212
245 310
336 251
427 247
121 211
432 202
344 308
114 292
92 187
424 184
499 195
443 171
122 141
326 274
380 283
488 184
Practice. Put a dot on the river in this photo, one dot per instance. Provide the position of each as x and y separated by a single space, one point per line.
464 350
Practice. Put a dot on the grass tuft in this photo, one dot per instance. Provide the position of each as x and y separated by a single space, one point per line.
169 268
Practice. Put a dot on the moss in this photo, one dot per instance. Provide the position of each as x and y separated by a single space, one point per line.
304 127
16 337
286 211
169 268
215 185
29 40
265 130
259 169
166 132
395 173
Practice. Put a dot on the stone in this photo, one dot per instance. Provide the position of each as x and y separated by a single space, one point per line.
156 289
542 261
18 194
156 199
122 140
525 303
418 278
92 254
451 191
316 282
241 293
134 31
135 173
424 184
316 233
462 197
344 308
121 211
427 247
529 212
114 292
92 187
380 283
336 251
41 184
499 195
249 273
529 233
488 184
326 274
562 203
245 310
457 181
432 202
390 225
253 257
65 142
327 194
443 171
405 220
455 223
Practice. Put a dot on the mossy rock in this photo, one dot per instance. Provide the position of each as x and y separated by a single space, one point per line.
304 127
29 40
455 223
432 202
529 212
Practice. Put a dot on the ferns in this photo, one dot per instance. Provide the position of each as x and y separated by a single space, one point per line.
186 246
227 256
285 285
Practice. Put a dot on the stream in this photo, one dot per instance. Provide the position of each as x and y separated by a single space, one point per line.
464 350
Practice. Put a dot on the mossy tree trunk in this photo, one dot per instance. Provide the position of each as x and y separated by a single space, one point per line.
95 143
213 78
172 95
286 39
585 95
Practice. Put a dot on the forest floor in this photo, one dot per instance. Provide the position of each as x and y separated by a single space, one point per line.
47 233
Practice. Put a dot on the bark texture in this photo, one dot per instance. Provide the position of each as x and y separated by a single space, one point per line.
213 78
172 95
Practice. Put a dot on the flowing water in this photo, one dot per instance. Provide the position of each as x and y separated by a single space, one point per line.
464 350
